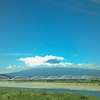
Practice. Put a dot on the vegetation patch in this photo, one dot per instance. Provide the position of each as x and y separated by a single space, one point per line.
15 94
62 80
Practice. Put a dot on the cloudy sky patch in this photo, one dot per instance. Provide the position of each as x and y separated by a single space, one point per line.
37 60
42 62
50 29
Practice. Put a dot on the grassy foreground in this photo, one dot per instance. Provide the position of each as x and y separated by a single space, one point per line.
15 94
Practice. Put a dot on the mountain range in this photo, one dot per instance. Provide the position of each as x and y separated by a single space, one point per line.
57 71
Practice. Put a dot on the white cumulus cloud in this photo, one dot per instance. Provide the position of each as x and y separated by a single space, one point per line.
9 67
37 60
40 62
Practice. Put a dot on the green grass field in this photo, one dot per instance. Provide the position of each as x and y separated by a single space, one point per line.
15 94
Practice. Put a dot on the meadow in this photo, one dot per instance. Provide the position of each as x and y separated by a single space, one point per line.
15 94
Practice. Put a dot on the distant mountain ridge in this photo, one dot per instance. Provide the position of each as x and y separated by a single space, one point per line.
56 72
52 61
5 75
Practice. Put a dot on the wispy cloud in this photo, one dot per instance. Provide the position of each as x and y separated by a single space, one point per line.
12 68
97 1
75 55
16 54
76 8
15 68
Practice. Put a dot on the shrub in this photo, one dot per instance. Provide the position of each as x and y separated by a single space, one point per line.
83 97
99 84
44 93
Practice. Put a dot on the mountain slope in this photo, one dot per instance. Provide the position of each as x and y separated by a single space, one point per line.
56 72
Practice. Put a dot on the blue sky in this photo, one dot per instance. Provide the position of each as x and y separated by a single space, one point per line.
62 28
